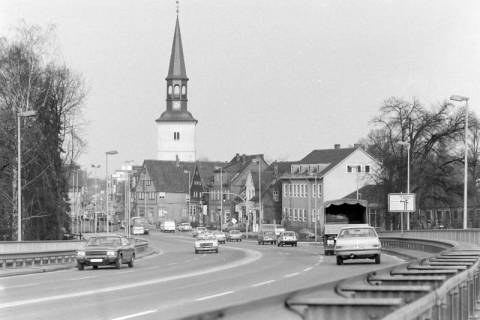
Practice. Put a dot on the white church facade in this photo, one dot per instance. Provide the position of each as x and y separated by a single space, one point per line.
176 125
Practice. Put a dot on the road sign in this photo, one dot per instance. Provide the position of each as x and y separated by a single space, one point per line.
401 202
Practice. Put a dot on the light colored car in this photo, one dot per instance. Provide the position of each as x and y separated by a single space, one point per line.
198 230
234 235
167 226
287 237
184 226
357 243
206 241
221 237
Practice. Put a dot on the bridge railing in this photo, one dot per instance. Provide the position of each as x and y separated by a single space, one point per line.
471 236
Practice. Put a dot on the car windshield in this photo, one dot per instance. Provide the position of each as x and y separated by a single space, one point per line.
357 232
269 234
104 241
207 236
234 232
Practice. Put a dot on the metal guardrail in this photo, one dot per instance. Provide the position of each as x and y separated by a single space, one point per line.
443 285
39 258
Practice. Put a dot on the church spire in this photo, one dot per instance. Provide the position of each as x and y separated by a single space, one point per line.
177 69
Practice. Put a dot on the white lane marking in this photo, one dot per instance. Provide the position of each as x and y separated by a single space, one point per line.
262 283
123 272
251 256
82 278
172 264
21 285
130 316
291 275
215 295
307 269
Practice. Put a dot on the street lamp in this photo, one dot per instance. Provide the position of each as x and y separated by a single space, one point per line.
189 193
406 144
95 166
221 196
108 153
259 193
29 113
460 99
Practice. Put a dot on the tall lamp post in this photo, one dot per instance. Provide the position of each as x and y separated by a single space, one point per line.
189 193
465 181
259 193
407 144
29 113
95 166
108 153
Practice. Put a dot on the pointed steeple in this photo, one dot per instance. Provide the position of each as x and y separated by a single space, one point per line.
177 69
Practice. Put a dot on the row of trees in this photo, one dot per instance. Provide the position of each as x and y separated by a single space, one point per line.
435 137
30 79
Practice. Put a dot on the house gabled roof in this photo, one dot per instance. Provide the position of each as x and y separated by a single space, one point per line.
332 157
207 170
169 176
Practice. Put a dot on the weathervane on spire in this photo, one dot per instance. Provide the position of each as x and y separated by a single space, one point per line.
177 7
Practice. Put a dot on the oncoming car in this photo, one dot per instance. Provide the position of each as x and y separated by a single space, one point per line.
234 235
267 237
357 243
220 235
206 242
106 250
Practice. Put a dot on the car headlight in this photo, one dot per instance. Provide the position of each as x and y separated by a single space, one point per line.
376 245
80 253
111 253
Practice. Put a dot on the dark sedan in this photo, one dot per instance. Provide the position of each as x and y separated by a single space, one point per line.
106 250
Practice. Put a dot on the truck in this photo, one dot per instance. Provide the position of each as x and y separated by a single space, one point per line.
341 213
167 226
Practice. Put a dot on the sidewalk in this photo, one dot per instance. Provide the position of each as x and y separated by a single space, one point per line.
9 272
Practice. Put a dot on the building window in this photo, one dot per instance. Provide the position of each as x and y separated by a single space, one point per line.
275 195
148 182
141 195
302 190
151 196
367 169
285 190
314 215
176 136
319 188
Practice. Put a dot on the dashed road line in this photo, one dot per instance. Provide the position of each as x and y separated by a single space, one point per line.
215 295
291 275
307 269
135 315
82 278
262 283
21 286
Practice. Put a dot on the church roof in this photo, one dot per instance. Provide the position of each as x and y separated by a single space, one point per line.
177 69
170 115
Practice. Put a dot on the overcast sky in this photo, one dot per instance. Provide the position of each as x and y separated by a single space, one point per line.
278 77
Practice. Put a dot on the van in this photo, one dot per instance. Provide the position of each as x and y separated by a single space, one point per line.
168 226
277 228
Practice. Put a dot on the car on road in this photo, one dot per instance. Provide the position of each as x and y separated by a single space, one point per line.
267 237
287 238
357 243
198 230
234 235
139 225
106 250
206 241
220 235
184 226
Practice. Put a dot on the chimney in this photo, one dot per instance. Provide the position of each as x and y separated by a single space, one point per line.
237 157
336 146
177 161
275 169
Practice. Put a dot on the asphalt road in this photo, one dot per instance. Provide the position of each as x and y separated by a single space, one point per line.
173 283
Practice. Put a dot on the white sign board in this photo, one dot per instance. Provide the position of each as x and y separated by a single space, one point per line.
401 202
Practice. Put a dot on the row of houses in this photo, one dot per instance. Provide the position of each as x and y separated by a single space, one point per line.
246 190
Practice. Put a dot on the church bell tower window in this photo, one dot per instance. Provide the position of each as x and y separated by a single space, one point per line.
169 90
176 90
184 91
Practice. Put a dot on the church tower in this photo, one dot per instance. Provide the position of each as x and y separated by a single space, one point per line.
176 125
